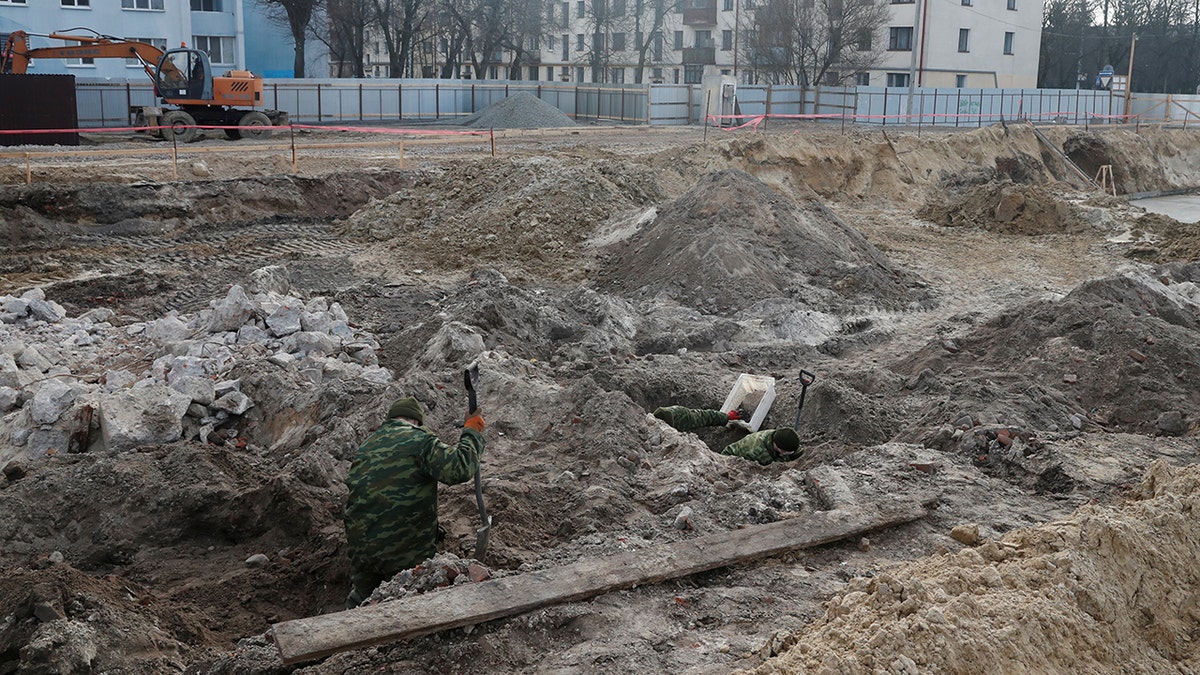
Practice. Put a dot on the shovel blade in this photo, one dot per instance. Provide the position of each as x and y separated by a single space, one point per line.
481 540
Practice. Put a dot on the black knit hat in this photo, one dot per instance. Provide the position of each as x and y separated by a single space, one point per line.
786 439
407 407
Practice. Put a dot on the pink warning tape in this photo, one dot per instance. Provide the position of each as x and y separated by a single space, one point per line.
372 130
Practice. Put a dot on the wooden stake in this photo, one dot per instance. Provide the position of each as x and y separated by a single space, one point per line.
304 639
28 171
174 155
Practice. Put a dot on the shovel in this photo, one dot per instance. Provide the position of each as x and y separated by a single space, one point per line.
806 378
470 379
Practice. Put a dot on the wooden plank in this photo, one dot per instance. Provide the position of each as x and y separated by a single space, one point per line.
315 637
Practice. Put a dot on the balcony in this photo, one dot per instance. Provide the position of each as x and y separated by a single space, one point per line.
700 16
699 56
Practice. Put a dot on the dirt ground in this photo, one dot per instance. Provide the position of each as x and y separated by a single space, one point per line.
984 327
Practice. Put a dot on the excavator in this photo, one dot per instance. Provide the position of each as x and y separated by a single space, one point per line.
183 81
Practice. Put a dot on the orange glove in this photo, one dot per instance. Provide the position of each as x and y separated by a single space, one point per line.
475 422
735 414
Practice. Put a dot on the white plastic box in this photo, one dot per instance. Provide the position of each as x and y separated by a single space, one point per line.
754 393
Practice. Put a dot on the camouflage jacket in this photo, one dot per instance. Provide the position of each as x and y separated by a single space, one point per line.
391 514
686 419
757 447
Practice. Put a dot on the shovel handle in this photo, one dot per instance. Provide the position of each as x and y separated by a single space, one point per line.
806 378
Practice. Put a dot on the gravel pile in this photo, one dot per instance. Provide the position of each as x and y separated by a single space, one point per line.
519 111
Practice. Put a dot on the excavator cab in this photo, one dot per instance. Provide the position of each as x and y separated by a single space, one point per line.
184 74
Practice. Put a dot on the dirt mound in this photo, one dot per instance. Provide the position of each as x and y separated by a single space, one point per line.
1119 352
1008 208
732 241
522 110
526 217
1165 240
1096 592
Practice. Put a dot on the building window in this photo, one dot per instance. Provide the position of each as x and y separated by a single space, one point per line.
579 73
618 7
549 73
726 40
833 78
87 3
219 48
161 43
901 2
964 35
617 76
960 81
1008 40
678 39
206 5
618 42
704 39
900 39
1012 4
897 79
12 2
693 73
550 43
142 4
966 3
862 79
579 42
565 20
579 10
88 62
863 44
534 45
656 73
566 48
564 74
728 6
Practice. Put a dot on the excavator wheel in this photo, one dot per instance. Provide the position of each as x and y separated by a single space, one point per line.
255 124
182 125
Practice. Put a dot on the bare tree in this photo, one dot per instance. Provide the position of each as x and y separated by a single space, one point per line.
648 21
813 41
296 15
345 35
397 21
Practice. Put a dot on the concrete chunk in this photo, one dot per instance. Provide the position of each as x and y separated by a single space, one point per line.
231 312
52 399
134 417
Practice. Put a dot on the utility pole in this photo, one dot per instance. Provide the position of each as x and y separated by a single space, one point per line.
1129 77
1079 62
912 67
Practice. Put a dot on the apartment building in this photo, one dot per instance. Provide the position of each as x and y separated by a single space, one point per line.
962 43
936 43
218 27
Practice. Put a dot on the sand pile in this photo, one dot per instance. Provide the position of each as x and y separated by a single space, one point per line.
1100 591
732 241
524 217
522 110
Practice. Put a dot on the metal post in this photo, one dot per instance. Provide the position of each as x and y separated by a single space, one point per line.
400 102
28 171
360 102
129 102
492 135
957 105
320 116
295 164
174 154
885 106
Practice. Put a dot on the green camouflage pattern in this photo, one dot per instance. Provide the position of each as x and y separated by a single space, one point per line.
686 419
391 514
755 447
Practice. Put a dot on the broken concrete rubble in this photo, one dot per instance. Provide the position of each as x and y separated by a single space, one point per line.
46 383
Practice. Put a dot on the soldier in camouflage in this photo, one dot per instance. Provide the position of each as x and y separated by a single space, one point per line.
391 514
764 447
